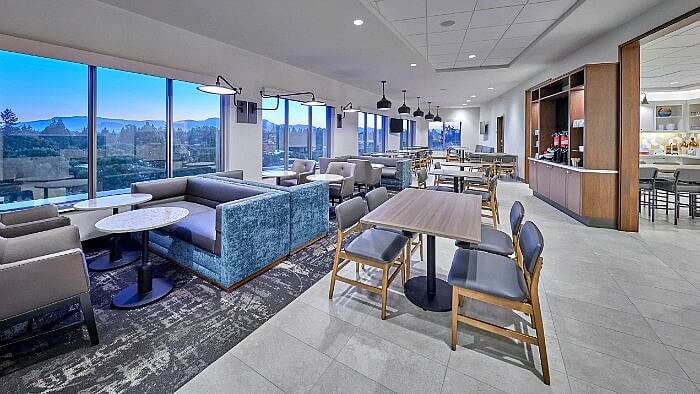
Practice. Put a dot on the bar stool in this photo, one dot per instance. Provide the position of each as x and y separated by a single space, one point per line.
685 183
647 189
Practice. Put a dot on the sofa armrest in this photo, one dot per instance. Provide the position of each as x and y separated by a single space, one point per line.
32 283
39 244
20 229
29 215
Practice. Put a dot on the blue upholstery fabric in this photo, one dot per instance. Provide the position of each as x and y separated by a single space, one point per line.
309 209
402 178
492 241
488 273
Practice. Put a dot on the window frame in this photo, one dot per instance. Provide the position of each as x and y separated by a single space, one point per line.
380 133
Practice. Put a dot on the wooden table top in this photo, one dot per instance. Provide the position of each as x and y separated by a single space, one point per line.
448 215
458 174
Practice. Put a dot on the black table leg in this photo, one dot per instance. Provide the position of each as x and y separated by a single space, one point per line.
116 258
148 289
455 184
429 292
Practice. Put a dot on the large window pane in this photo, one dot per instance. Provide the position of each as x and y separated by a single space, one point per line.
381 133
319 135
371 132
43 125
298 131
273 134
361 116
196 130
131 133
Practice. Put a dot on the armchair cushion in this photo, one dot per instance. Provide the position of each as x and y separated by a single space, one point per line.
29 215
20 229
377 245
39 244
488 273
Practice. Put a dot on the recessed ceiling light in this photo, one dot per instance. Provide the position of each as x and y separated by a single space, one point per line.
473 96
413 64
358 22
673 83
471 56
447 23
464 104
443 89
490 88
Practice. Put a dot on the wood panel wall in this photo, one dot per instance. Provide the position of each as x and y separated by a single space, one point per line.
628 219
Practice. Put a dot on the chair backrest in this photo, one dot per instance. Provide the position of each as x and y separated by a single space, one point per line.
342 168
376 198
508 159
488 149
437 165
363 170
517 213
350 212
493 183
422 177
647 173
687 175
478 148
531 244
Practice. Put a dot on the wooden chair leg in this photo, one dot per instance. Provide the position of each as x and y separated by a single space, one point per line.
494 214
336 261
539 329
89 316
455 311
385 289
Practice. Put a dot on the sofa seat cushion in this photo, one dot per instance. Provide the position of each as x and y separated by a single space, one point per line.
192 207
289 182
492 241
197 228
377 245
488 273
389 172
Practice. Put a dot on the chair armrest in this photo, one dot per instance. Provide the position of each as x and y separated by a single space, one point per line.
29 215
39 244
32 283
20 229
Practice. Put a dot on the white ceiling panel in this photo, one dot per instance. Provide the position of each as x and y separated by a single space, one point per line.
418 40
515 42
478 46
410 26
495 16
485 33
444 49
497 62
439 7
499 53
484 4
442 58
550 10
446 37
468 63
401 9
460 19
672 61
447 65
527 29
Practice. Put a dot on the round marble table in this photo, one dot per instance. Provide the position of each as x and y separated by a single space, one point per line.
278 174
325 177
117 256
148 289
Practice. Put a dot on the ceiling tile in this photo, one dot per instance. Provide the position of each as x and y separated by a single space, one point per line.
515 42
495 16
401 9
478 46
484 4
442 58
410 26
460 19
439 7
485 33
418 40
497 62
480 56
443 65
468 63
543 11
505 52
446 37
444 49
526 29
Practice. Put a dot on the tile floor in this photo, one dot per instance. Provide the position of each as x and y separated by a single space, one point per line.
621 314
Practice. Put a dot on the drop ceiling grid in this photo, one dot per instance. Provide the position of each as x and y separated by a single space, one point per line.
502 30
672 58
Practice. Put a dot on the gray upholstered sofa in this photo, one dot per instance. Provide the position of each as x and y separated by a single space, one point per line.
396 173
233 230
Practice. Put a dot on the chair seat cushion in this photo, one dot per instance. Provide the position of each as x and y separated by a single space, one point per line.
485 195
488 273
192 207
377 245
492 241
440 188
389 172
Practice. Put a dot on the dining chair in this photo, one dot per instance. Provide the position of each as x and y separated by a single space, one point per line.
647 189
685 183
374 247
495 280
508 165
441 183
422 178
496 241
489 200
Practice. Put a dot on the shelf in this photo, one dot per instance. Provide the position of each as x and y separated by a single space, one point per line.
669 117
579 87
555 95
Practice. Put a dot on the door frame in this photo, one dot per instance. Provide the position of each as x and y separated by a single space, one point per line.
500 125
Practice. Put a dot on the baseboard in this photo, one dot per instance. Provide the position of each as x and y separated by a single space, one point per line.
590 222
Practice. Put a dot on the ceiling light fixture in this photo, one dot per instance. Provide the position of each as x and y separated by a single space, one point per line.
645 101
383 104
404 109
469 101
413 64
490 88
418 113
447 23
437 115
473 96
673 83
358 22
348 108
471 56
429 116
310 103
218 88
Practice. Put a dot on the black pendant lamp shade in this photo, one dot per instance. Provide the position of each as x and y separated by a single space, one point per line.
418 113
437 117
404 109
645 101
383 104
429 116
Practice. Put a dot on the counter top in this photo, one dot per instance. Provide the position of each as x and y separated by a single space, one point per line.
577 169
694 157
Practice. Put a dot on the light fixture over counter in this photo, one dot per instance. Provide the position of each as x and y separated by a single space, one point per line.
404 109
418 113
218 88
383 104
437 117
429 116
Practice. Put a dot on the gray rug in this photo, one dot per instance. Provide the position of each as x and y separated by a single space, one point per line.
160 347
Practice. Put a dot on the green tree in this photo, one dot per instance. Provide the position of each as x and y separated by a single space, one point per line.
9 120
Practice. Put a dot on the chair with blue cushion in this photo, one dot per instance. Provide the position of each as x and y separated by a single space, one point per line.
495 280
374 247
498 242
489 200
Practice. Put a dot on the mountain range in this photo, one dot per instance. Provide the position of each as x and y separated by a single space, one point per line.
77 123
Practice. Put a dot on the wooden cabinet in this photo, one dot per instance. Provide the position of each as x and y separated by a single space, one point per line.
543 181
573 191
533 175
557 185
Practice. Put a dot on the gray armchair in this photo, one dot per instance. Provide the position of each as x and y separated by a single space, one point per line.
41 272
344 189
303 168
32 220
364 174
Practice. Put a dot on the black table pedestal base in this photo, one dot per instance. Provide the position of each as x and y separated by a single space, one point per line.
104 262
416 290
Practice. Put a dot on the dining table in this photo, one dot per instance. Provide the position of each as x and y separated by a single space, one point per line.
454 216
459 177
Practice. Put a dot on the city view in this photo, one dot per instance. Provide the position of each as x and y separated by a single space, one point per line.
444 135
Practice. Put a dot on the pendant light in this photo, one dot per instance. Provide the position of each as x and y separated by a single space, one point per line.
437 117
404 109
383 104
645 101
429 116
418 113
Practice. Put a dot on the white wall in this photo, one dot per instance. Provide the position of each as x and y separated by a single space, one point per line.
345 138
511 104
470 123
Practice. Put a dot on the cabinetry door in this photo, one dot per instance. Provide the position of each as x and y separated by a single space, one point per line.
543 174
557 187
573 192
533 175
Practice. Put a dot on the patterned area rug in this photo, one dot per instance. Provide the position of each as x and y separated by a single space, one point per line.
160 347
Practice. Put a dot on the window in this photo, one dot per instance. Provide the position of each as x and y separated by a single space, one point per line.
371 133
444 135
293 131
43 126
408 134
196 130
131 133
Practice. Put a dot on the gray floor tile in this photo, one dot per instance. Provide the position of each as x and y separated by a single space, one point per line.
341 379
654 280
228 374
284 360
663 296
619 375
668 314
579 386
689 361
457 383
582 292
397 368
677 336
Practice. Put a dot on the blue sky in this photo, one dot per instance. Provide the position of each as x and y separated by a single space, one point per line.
41 88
